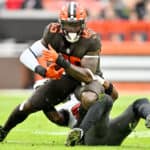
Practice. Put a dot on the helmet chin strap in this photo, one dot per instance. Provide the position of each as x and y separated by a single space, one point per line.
72 37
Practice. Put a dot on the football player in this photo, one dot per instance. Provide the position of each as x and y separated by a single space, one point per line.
101 130
72 54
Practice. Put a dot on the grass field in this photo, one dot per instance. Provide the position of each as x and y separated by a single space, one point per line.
37 133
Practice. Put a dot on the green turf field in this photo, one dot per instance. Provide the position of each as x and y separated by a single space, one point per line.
37 133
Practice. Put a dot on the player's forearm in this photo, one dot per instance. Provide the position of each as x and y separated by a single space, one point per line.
79 73
85 75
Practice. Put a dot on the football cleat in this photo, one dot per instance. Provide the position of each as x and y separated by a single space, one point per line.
75 137
147 121
3 134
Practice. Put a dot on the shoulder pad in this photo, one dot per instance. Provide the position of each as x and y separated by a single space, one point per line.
88 33
54 27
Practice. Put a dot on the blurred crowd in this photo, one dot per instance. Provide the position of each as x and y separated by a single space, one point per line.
115 20
97 9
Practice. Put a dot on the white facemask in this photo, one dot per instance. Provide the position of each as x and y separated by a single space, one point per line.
72 37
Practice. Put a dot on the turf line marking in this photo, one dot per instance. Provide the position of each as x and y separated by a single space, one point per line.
37 132
50 133
140 134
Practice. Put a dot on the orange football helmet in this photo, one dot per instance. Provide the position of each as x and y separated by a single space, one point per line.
72 19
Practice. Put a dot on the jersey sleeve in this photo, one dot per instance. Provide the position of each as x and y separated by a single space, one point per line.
29 56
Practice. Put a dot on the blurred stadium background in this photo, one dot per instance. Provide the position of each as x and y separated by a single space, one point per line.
124 27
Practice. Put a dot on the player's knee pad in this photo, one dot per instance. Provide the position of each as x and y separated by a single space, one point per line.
88 98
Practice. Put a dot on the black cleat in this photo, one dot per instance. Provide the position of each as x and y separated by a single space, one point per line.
3 134
74 137
147 121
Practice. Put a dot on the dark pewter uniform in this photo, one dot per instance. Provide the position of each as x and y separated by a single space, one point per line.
103 130
108 131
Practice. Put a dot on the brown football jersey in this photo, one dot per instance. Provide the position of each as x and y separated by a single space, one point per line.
88 42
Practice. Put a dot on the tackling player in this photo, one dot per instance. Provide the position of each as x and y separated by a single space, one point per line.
102 130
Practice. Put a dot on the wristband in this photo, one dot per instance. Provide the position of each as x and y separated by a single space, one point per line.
109 89
61 61
40 70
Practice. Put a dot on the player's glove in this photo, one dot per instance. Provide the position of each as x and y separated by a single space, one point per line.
53 73
52 56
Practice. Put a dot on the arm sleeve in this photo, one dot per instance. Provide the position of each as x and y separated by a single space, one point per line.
29 56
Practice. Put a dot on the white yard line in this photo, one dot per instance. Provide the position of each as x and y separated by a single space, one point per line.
42 132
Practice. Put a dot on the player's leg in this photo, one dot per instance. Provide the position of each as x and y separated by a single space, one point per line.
61 90
88 97
89 93
44 98
96 121
96 105
20 113
96 113
124 124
